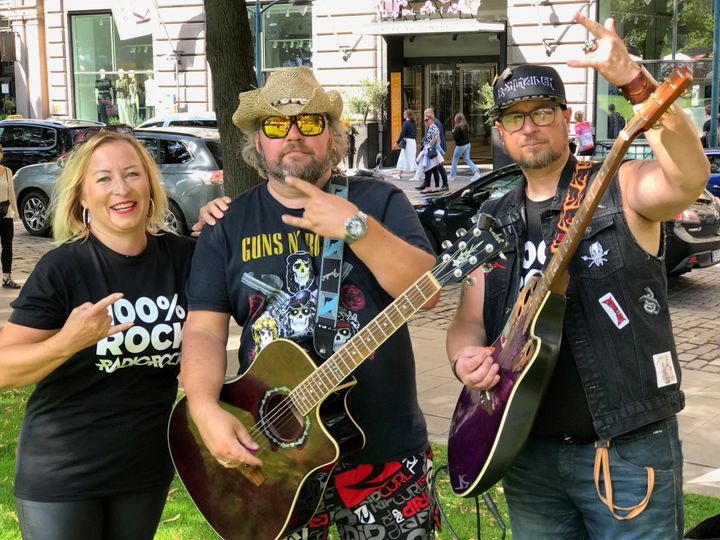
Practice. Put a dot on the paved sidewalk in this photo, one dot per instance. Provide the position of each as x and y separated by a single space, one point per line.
694 305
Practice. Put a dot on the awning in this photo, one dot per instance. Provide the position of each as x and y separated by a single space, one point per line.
7 47
428 26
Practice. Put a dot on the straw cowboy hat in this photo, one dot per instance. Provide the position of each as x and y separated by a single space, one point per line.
287 92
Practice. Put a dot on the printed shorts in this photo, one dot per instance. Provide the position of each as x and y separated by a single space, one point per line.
377 502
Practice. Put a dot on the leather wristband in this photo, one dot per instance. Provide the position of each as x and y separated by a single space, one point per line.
640 88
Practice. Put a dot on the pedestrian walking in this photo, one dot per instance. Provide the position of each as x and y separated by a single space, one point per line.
443 145
615 122
583 135
8 212
430 157
406 143
461 135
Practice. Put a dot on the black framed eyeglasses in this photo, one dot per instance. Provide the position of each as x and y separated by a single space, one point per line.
544 116
277 127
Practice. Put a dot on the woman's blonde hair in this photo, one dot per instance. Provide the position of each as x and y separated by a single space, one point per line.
66 209
338 150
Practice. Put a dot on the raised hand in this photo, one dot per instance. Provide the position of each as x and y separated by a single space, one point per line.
89 323
607 54
324 214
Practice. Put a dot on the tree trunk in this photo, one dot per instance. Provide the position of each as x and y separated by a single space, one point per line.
229 48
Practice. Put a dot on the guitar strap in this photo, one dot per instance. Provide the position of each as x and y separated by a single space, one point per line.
573 199
330 280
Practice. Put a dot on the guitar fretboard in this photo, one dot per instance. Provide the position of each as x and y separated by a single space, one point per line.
335 369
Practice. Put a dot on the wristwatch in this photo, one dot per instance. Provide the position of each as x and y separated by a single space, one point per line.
355 227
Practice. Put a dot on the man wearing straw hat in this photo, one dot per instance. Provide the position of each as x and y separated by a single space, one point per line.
263 265
603 460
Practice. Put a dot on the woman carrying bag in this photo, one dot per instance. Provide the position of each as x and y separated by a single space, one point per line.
429 158
8 211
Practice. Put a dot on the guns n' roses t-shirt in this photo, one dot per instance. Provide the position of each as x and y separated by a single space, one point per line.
265 273
97 424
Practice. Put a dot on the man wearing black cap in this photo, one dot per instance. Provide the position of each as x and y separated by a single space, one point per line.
617 378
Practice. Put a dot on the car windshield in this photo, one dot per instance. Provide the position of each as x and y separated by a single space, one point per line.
214 147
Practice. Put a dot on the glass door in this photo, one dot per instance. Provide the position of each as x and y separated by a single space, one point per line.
471 78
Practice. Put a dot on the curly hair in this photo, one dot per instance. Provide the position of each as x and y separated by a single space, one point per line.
253 158
67 221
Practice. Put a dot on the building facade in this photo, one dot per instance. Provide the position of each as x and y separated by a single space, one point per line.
70 61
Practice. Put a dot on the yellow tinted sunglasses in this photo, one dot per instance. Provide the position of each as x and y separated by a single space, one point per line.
277 127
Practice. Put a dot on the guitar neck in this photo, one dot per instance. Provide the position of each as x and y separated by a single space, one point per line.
311 391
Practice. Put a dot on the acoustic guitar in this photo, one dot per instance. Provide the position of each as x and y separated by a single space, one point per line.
296 411
488 429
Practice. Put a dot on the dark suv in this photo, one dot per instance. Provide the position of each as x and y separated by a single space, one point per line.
26 142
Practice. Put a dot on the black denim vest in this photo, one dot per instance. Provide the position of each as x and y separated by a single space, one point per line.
614 349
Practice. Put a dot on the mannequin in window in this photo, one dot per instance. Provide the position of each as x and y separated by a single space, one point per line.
133 102
122 89
103 95
151 96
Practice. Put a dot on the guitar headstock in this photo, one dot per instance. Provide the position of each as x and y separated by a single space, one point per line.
650 111
472 249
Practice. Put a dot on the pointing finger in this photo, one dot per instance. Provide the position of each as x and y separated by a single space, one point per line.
295 221
308 188
120 328
595 28
103 304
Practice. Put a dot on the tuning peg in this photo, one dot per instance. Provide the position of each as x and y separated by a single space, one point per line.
489 248
475 218
476 231
470 280
486 268
462 246
446 244
502 256
460 232
473 260
446 257
457 273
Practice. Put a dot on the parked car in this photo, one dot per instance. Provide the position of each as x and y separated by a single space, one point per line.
713 155
693 236
190 167
26 142
204 119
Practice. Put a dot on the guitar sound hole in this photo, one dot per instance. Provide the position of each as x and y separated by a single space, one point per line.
281 419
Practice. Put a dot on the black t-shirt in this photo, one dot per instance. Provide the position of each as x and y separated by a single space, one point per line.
460 136
265 274
563 409
97 424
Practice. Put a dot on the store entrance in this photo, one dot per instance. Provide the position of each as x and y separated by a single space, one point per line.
451 88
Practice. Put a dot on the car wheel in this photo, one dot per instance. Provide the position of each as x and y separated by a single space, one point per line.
174 219
34 213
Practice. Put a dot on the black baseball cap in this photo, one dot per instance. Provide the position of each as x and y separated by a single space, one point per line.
526 82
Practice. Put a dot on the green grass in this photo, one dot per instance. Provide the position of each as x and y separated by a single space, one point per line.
181 521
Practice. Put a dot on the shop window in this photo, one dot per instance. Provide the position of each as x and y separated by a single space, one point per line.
663 34
286 36
111 77
28 137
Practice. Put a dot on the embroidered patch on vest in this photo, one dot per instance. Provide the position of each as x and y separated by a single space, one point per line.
649 302
664 369
596 255
614 311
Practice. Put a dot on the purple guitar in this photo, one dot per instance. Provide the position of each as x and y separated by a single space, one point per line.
296 412
488 429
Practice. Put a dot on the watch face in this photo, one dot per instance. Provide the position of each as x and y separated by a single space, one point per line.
355 227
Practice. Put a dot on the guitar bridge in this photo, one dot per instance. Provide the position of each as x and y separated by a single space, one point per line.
254 474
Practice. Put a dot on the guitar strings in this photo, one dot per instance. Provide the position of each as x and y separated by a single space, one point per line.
423 289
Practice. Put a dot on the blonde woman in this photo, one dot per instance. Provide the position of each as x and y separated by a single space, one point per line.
97 329
8 212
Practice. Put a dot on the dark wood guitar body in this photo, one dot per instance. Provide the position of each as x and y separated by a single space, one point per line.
296 469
